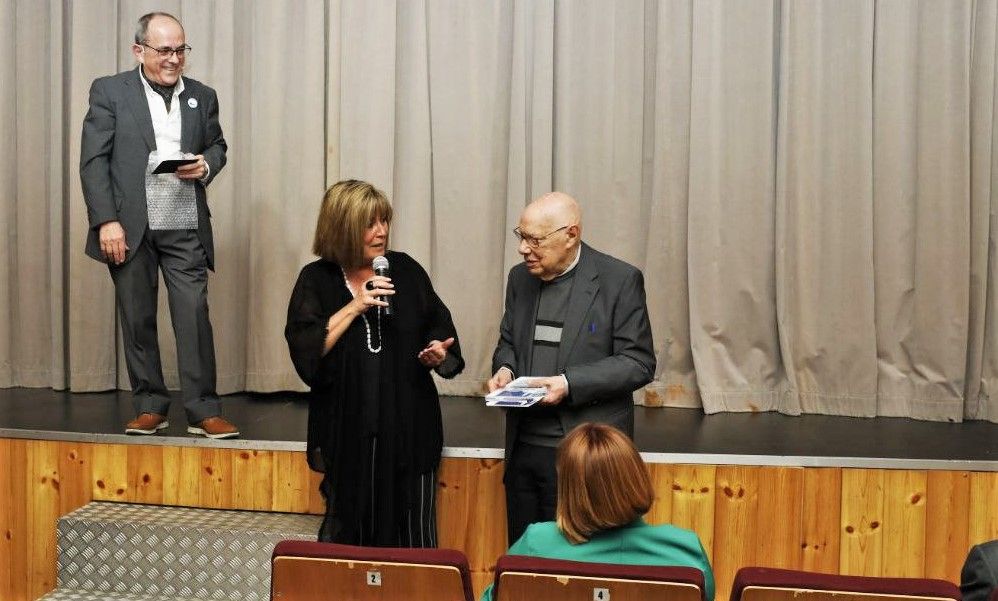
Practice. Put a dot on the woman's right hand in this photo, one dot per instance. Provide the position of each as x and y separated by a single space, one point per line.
370 293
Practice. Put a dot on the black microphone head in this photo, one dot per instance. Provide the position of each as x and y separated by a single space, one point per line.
380 263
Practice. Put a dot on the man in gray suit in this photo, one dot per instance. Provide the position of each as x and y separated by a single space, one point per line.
577 320
141 223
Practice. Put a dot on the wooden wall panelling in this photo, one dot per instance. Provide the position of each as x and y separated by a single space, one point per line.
215 484
780 517
42 485
693 501
904 523
145 474
181 476
736 531
821 520
291 482
75 476
947 526
757 520
861 548
252 479
662 476
471 513
983 515
14 549
109 477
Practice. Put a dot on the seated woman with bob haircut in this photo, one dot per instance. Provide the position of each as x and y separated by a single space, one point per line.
603 490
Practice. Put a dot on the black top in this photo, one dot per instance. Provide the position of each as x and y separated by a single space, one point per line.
407 423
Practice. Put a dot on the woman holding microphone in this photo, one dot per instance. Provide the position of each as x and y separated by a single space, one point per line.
365 343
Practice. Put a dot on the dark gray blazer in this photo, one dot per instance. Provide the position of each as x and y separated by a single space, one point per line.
117 139
606 349
980 572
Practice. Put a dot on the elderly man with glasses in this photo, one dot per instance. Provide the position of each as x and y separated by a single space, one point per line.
575 322
151 145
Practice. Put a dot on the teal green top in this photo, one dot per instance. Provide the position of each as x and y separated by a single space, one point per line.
635 544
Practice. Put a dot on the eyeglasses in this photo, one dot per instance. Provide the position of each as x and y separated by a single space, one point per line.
167 52
535 241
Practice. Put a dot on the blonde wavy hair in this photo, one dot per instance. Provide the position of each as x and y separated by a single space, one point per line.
348 208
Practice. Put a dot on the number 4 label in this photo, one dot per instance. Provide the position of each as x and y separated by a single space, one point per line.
601 594
373 578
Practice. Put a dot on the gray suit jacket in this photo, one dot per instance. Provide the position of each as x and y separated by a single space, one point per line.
606 349
979 576
117 139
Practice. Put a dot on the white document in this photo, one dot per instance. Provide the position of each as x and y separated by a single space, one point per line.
517 393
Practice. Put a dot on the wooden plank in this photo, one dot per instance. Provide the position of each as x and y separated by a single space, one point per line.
736 530
110 472
17 531
291 482
662 477
75 471
983 517
471 510
215 478
947 515
904 523
822 508
13 520
779 517
693 501
145 474
42 486
736 508
181 476
861 549
253 480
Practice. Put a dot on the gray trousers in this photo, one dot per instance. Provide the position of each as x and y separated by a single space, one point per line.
181 257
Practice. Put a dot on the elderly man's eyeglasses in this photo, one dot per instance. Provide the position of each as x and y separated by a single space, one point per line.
535 241
166 51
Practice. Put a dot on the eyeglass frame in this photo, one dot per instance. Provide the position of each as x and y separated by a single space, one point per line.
535 241
167 52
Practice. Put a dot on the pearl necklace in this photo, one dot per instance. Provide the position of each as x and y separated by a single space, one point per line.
367 324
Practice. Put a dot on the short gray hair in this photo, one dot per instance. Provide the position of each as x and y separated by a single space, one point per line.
143 29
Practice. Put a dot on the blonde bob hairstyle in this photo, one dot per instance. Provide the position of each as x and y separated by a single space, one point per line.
602 482
348 208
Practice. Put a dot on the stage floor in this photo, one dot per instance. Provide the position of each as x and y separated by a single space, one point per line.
664 435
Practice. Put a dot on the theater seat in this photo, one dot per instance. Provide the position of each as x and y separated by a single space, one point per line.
306 571
770 584
523 578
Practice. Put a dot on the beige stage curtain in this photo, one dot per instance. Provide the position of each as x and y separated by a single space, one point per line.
807 185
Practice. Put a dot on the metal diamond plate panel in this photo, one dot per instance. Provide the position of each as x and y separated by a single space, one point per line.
75 595
173 551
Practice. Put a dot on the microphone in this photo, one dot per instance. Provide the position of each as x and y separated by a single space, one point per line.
380 265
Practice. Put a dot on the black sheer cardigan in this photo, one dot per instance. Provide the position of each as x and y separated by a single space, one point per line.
410 431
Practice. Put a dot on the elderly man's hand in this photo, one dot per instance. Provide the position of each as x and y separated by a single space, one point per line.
501 378
557 389
435 352
112 242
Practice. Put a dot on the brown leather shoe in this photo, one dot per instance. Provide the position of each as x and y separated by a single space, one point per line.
214 427
146 423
